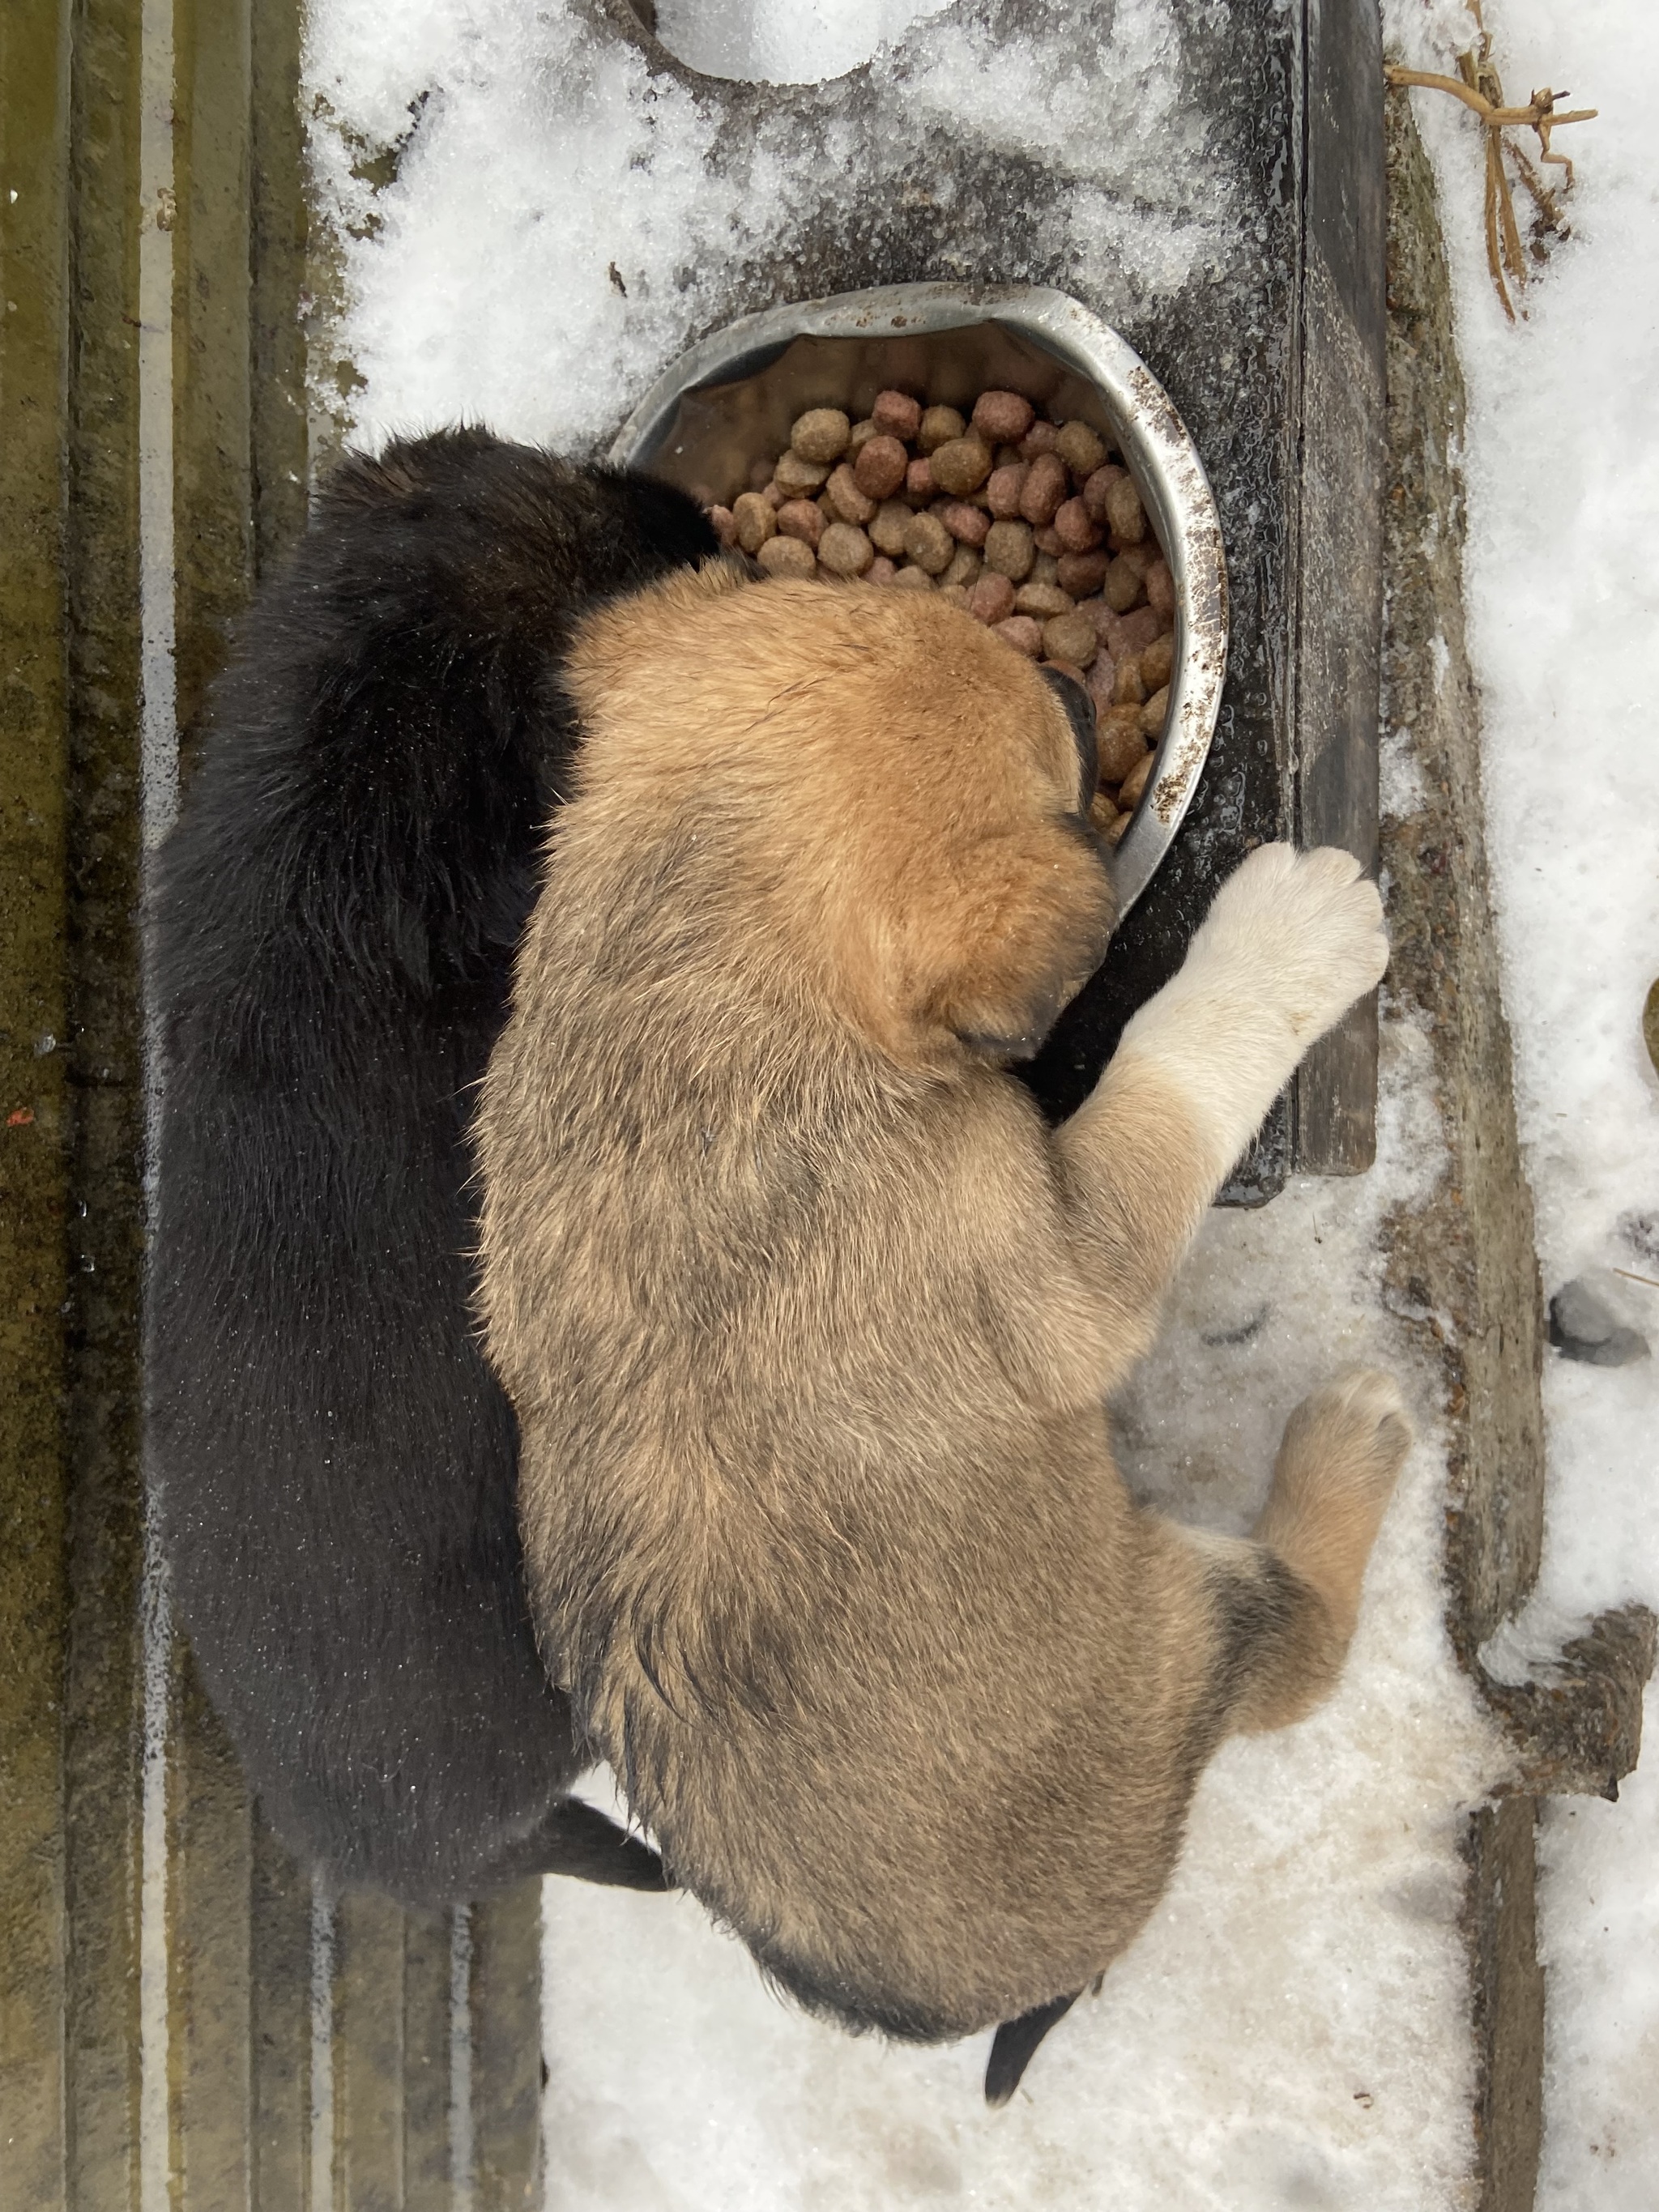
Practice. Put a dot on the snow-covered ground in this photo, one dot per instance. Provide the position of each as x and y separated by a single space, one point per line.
1291 2029
1562 463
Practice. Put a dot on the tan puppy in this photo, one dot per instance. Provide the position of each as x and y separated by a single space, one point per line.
810 1321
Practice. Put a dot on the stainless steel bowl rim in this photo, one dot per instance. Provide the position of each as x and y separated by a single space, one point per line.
1152 438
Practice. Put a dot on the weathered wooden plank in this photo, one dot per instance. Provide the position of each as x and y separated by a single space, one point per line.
103 1700
1336 657
368 2056
34 1157
278 234
507 2051
428 2153
279 2027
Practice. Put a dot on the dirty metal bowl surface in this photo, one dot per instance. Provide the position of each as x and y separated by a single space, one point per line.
734 397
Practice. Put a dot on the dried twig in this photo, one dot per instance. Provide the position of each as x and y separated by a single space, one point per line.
1478 85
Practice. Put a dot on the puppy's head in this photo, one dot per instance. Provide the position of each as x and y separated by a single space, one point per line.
905 797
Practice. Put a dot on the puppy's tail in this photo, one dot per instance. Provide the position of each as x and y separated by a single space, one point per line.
1014 2046
577 1839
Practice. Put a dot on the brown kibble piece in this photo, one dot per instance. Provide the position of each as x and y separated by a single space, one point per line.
724 524
787 557
1039 439
970 524
919 486
1075 531
913 579
1121 588
956 593
760 475
888 526
1049 542
794 474
1083 574
845 550
879 469
861 435
961 466
799 518
896 415
848 502
929 543
1156 709
1102 813
1131 689
1158 662
1044 489
992 599
775 494
1103 678
1002 418
1160 588
820 435
1121 745
880 570
1009 549
1125 516
1114 834
1139 557
1082 449
1095 491
1070 637
1023 633
1041 600
1126 635
1002 491
1008 457
938 425
756 517
1135 782
965 567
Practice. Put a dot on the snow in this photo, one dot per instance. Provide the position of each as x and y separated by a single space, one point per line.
1291 2028
1562 460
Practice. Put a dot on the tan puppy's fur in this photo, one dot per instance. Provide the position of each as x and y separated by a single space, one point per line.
810 1321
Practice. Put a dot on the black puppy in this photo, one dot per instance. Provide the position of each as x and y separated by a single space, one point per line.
330 936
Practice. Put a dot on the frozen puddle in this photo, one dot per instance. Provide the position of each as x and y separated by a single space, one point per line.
1291 2028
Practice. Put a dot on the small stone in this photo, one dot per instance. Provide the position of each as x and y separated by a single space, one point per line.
1002 418
1582 1327
1082 449
929 543
992 599
1010 551
938 425
799 518
879 469
1044 489
896 415
845 550
1070 637
888 526
787 557
961 466
1023 633
756 517
820 435
848 502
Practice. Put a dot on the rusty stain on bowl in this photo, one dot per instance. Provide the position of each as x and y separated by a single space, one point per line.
735 394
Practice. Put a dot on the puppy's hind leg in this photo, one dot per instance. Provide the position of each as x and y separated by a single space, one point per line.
1290 1619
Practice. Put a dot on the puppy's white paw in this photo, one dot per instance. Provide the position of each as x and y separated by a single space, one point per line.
1300 933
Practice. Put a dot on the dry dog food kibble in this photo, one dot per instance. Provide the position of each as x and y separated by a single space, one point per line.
1033 527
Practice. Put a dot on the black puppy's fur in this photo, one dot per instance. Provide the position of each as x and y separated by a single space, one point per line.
331 932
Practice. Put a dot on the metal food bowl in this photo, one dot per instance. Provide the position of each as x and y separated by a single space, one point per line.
733 398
